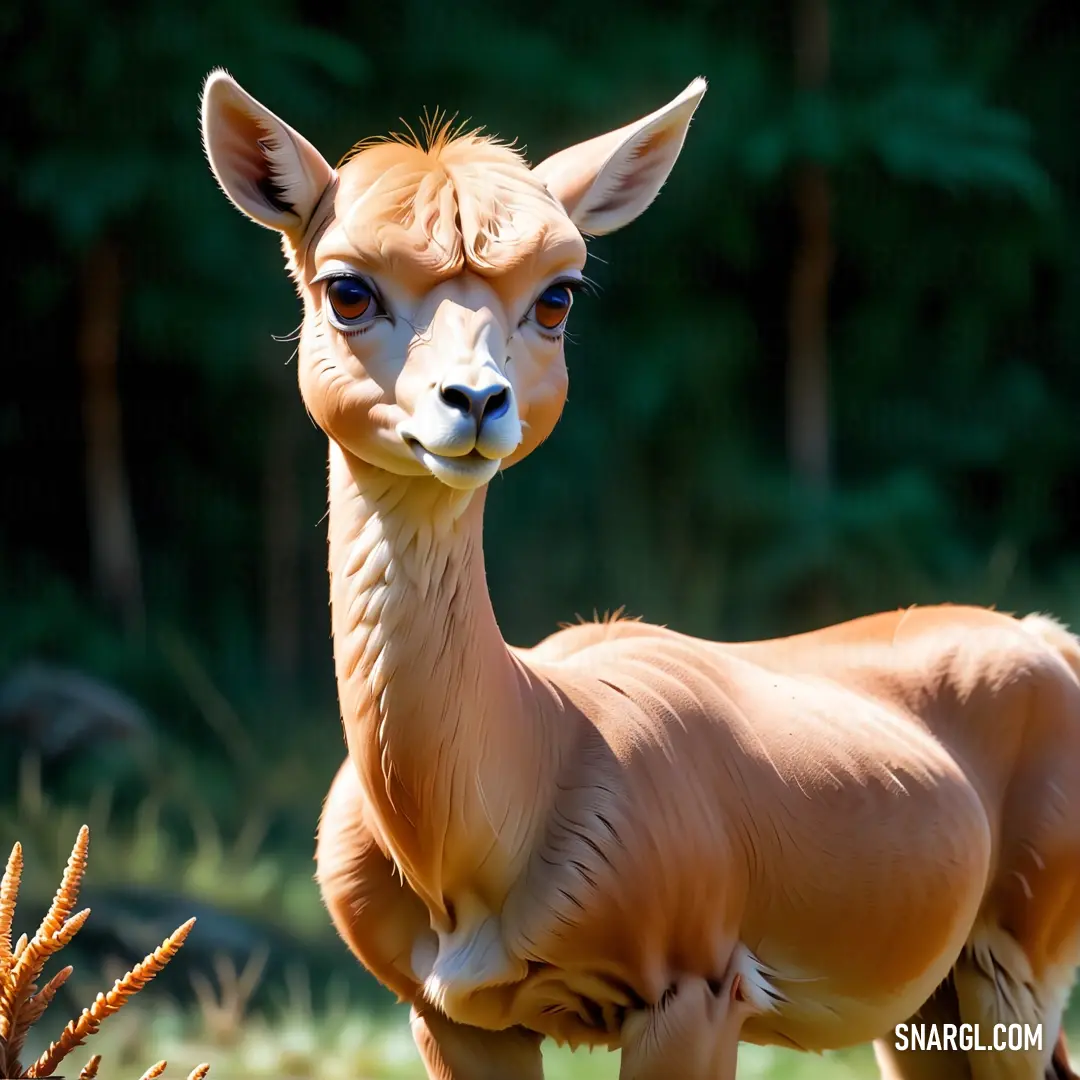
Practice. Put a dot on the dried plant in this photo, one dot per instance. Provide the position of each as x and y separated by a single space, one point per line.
223 1010
198 1073
22 1004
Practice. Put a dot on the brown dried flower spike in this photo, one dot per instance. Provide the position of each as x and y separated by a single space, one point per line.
22 1003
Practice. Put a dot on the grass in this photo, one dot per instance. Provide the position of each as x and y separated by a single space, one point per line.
294 1042
238 875
350 1045
342 1042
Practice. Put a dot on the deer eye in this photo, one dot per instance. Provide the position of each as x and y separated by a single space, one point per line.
351 301
553 306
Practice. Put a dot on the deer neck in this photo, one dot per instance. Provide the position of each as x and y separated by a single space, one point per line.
439 715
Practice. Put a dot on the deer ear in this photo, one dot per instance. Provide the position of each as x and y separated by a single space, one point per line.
605 183
269 172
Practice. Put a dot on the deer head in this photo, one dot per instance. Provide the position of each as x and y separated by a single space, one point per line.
437 278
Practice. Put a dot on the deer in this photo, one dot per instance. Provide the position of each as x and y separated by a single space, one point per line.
626 837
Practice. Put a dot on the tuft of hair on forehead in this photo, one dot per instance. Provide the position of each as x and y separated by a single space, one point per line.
436 131
453 197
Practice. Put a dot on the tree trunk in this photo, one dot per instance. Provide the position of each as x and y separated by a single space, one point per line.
114 552
808 372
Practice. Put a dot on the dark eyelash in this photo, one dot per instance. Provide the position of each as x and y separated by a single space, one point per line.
575 285
583 285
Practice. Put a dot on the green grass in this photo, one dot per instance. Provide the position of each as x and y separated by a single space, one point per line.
241 874
345 1045
291 1041
356 1047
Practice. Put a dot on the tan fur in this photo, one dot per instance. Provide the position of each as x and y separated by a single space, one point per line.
625 836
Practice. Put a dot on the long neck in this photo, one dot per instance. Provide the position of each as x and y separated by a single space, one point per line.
442 721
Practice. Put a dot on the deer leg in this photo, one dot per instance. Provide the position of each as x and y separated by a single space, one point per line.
997 989
1060 1067
945 1064
381 919
691 1033
456 1052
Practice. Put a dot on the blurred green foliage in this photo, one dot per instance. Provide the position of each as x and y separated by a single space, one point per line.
947 130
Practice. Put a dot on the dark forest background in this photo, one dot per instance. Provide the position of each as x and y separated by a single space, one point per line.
834 368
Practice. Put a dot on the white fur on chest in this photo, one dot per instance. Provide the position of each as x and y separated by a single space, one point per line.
453 966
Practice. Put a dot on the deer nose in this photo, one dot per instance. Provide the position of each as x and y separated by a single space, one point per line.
480 402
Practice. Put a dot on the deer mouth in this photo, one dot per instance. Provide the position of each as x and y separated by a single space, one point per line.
462 471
